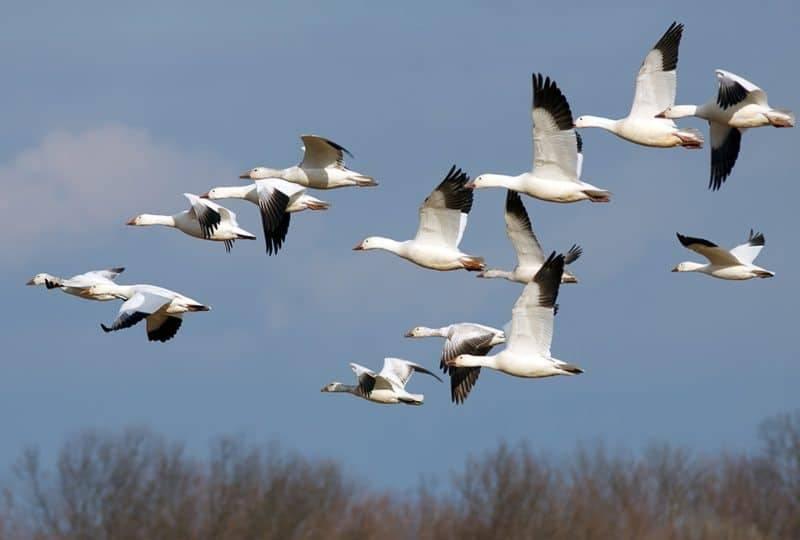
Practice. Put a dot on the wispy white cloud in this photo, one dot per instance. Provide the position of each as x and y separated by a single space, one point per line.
80 183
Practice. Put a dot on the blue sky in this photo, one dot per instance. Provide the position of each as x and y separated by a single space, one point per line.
113 112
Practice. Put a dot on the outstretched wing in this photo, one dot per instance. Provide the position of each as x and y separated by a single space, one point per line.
520 232
443 214
711 251
748 251
137 307
321 153
463 379
368 380
533 313
555 142
734 90
163 327
725 143
207 214
274 198
399 371
657 80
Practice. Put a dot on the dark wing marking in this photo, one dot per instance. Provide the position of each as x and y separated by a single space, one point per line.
321 152
730 93
125 320
166 330
462 379
228 245
573 254
547 96
208 218
580 141
51 284
275 220
688 241
451 193
756 239
668 46
549 279
366 383
724 157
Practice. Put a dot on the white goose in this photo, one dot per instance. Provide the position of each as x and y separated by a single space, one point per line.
527 352
738 105
162 308
387 387
322 167
655 91
442 220
461 338
736 264
557 154
277 199
205 219
80 284
529 252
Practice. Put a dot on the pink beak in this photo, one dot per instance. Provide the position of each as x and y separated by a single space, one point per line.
204 195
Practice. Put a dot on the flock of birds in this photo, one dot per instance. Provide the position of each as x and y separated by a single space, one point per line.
555 177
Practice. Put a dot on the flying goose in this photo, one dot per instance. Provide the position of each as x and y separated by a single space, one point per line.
277 199
736 264
80 284
322 167
529 252
163 309
738 105
558 160
655 91
204 219
527 351
442 220
461 338
387 387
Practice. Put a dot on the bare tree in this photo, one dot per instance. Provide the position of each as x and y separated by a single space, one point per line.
136 485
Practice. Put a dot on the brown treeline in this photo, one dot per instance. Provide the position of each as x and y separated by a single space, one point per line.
137 485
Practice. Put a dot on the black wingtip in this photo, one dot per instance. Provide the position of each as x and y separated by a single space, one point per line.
669 45
687 241
105 328
548 96
756 239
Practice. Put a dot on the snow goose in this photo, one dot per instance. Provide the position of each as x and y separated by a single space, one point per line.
527 352
204 219
529 252
738 105
162 308
277 199
387 387
655 91
322 167
442 220
557 153
80 284
736 264
461 338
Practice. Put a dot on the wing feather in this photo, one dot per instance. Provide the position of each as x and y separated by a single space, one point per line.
657 80
555 142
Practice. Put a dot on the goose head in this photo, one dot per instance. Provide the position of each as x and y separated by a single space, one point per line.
258 173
